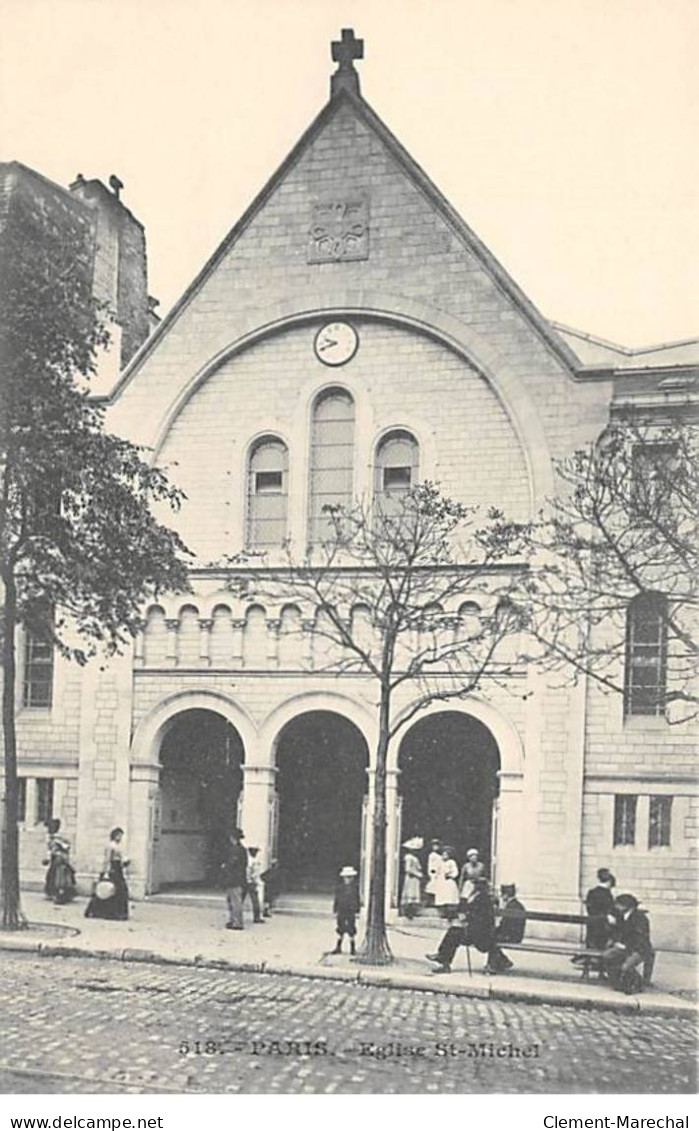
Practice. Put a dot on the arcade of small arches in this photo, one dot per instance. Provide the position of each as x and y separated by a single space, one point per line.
302 785
214 634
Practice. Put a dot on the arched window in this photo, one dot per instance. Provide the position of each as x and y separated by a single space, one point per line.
267 494
332 459
646 655
395 469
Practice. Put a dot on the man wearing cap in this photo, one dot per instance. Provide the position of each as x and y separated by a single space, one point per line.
346 908
235 871
513 917
631 947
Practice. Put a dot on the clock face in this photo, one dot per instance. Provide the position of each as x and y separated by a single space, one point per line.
336 343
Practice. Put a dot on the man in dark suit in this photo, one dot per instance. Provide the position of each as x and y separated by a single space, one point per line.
513 916
477 929
631 948
235 871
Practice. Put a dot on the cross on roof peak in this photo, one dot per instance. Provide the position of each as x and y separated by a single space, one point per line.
344 52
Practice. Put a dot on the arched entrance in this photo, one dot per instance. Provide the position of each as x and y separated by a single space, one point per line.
322 760
448 782
201 779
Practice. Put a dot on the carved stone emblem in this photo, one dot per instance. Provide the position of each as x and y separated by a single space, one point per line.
339 231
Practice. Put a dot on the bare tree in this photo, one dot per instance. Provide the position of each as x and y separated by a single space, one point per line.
624 526
385 587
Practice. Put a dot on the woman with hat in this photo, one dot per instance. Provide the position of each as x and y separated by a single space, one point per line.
346 908
410 896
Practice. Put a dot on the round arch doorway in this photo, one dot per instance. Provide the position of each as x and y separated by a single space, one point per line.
449 783
201 780
322 761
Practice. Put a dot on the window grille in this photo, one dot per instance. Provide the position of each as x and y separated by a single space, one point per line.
267 494
396 470
646 655
332 459
625 818
21 800
659 821
44 800
37 688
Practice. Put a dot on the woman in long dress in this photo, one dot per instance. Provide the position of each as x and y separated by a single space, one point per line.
116 906
446 896
411 894
59 884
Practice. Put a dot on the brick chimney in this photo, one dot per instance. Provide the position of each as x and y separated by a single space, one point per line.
121 274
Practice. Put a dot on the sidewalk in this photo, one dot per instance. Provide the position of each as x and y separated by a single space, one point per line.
299 944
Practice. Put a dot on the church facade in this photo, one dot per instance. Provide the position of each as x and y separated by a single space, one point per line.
352 333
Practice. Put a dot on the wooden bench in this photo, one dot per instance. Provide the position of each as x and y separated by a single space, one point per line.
587 958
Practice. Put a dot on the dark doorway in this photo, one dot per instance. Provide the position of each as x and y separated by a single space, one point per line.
322 760
200 783
448 781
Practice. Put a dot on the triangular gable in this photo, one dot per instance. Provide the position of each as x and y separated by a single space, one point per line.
418 177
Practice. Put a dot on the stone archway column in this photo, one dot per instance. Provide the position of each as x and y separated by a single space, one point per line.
144 823
258 808
509 854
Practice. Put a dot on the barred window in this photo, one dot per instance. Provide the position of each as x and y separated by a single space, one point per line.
395 470
37 690
625 818
646 655
659 821
44 800
332 459
21 800
267 494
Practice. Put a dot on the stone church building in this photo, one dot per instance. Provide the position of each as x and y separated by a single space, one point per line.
350 336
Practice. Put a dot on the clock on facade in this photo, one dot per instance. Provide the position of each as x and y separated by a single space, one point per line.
336 343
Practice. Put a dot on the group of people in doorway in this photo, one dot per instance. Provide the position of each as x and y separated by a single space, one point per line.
445 886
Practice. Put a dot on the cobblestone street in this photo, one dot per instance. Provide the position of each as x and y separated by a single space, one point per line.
87 1026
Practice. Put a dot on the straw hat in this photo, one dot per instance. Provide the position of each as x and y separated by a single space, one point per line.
415 842
348 870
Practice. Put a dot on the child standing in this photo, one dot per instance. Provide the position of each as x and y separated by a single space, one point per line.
346 908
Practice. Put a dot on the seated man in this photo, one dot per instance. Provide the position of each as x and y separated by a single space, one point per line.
477 929
513 916
631 947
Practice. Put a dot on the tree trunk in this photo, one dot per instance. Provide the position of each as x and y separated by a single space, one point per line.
11 918
375 950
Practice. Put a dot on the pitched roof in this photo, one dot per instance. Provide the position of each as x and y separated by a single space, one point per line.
554 340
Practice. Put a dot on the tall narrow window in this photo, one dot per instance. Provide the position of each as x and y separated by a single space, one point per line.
332 459
267 494
659 818
21 800
37 690
396 470
625 818
646 655
44 800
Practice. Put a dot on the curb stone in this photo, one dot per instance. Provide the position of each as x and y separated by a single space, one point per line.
358 977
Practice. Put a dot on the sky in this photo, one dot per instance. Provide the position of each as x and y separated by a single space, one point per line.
564 131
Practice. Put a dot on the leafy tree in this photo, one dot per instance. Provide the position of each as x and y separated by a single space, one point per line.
624 525
80 549
385 589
